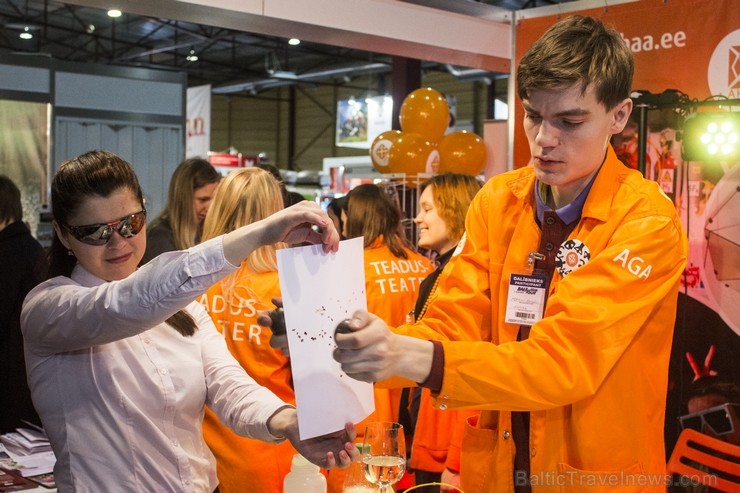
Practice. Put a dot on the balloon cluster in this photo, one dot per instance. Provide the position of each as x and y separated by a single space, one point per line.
422 146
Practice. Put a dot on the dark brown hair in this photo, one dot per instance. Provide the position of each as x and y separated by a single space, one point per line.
583 50
372 214
11 209
94 174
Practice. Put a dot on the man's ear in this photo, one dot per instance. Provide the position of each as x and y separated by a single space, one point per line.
61 234
621 115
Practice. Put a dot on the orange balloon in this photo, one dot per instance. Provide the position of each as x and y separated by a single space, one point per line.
462 152
380 149
425 112
411 154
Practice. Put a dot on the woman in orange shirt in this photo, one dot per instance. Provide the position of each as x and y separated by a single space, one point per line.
243 197
393 273
434 436
393 269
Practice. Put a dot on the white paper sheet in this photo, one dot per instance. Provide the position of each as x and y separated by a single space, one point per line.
319 290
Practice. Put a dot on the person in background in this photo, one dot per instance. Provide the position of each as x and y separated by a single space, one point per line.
289 198
393 274
121 361
556 317
180 224
334 208
434 453
23 267
393 269
243 197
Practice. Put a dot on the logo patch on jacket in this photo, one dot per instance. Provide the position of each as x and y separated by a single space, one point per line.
572 255
634 264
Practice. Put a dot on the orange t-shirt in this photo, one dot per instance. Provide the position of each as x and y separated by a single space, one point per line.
392 286
392 283
244 464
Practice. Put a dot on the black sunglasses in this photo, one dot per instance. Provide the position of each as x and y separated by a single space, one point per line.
99 234
719 419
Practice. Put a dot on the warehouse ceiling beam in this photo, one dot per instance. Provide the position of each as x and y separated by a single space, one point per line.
371 25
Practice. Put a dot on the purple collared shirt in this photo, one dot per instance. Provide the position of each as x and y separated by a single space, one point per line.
569 213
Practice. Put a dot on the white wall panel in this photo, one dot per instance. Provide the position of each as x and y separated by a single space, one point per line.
153 150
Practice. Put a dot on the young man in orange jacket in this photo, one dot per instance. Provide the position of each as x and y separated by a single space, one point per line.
556 317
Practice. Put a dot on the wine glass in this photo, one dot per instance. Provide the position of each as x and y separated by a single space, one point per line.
384 453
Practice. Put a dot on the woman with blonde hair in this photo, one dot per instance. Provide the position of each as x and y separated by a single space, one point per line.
180 224
243 197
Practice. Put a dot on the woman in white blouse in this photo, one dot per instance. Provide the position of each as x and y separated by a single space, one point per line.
121 362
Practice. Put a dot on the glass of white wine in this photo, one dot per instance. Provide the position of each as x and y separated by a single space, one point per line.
384 453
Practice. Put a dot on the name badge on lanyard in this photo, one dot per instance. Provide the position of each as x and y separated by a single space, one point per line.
525 303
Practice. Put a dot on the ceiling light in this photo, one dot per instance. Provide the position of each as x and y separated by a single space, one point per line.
294 41
192 57
26 33
114 13
282 74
